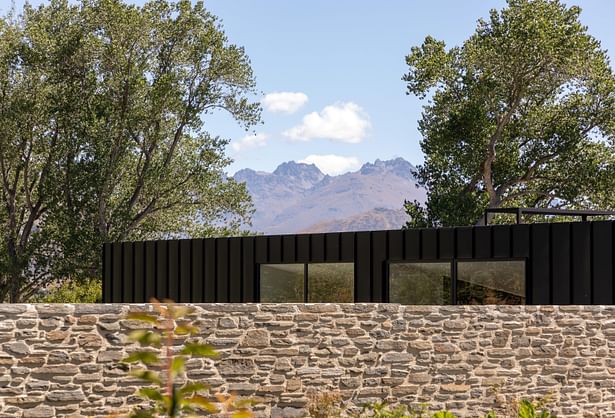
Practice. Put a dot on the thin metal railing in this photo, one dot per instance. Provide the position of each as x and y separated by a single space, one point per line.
519 212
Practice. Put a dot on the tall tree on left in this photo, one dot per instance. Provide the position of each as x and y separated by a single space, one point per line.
102 110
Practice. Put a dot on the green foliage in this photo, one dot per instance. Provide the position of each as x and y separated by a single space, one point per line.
519 115
528 410
167 397
72 291
330 405
102 132
384 410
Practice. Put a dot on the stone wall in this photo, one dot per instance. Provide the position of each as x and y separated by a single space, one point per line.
62 360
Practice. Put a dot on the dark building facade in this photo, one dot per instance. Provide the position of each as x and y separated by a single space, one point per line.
542 263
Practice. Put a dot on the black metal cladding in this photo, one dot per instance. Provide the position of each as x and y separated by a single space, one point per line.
567 263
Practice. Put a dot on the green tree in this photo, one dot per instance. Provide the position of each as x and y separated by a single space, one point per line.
102 133
521 114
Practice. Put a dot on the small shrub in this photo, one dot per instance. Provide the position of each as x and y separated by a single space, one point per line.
384 410
71 291
526 409
167 397
325 405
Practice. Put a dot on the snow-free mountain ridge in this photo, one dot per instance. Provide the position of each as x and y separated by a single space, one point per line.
298 197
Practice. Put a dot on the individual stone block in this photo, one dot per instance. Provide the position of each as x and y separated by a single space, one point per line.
89 341
41 411
18 348
236 367
454 388
62 396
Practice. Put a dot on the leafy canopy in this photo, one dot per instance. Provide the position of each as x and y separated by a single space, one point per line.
521 114
103 136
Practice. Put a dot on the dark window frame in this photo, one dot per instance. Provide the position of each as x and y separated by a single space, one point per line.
306 278
454 270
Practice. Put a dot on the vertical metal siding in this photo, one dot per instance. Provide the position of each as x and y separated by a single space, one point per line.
235 260
363 267
566 262
501 241
249 270
173 272
162 259
303 249
396 245
482 241
289 249
428 244
602 262
150 270
347 247
412 244
379 257
465 242
197 276
210 270
139 272
275 249
185 270
581 263
332 247
317 248
222 264
539 285
446 243
560 263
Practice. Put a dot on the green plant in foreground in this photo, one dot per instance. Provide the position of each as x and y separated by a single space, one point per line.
528 410
384 410
167 397
523 409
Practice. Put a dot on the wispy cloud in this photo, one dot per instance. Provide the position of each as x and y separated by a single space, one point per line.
250 141
343 122
284 101
333 164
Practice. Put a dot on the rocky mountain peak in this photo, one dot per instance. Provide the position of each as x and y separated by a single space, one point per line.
295 169
397 166
297 196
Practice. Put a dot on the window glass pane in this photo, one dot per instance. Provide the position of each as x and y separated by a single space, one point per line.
491 282
281 283
420 283
331 282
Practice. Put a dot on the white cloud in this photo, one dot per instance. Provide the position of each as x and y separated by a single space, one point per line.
284 101
333 164
249 141
343 122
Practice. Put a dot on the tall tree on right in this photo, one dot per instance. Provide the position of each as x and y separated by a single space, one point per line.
522 114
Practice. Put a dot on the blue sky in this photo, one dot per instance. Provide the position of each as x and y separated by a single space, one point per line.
343 60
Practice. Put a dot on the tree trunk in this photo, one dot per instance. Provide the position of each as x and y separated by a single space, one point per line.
14 273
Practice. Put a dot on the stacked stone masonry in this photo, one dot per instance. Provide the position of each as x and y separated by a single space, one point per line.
63 360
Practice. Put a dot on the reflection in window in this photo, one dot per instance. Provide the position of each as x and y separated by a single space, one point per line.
331 282
281 283
491 282
420 283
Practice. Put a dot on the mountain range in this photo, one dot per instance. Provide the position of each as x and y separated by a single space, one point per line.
298 197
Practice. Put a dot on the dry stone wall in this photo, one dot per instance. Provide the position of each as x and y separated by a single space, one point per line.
62 360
